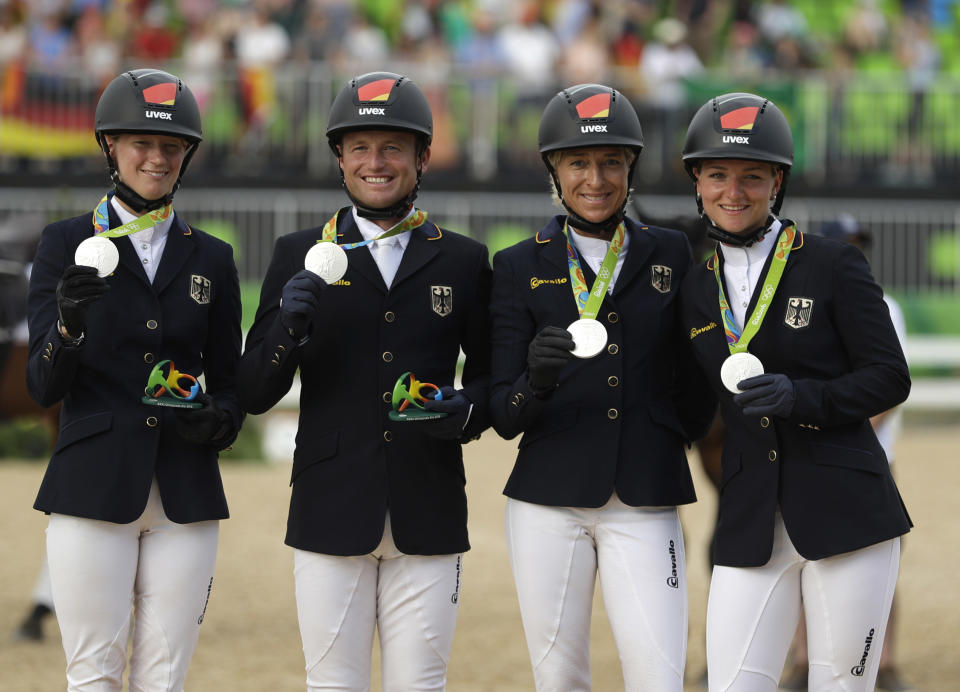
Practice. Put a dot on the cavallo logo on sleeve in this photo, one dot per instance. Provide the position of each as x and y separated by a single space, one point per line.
200 289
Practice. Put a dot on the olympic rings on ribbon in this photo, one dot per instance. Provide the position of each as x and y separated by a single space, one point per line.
413 393
159 384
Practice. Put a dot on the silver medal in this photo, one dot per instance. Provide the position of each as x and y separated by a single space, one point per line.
100 253
327 260
738 367
590 336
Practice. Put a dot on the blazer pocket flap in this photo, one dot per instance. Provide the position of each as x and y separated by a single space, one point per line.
552 423
313 451
848 457
85 427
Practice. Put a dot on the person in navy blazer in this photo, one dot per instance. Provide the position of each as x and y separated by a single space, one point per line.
808 508
378 511
134 491
601 464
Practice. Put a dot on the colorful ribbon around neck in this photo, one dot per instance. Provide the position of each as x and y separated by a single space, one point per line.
738 340
414 220
589 301
409 390
172 383
101 219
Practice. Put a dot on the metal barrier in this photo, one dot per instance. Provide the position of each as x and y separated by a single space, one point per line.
916 247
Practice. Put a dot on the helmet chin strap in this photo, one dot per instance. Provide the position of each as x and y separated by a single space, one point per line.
747 239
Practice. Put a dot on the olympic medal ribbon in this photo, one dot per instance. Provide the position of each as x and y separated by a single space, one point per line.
738 340
588 302
101 220
414 220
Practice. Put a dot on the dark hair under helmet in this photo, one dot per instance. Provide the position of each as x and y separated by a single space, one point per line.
381 101
739 126
589 115
148 101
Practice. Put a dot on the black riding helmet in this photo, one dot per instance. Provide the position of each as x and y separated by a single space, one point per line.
739 126
148 101
589 115
381 101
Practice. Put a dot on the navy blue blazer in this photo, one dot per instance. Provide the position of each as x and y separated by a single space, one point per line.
617 421
111 445
352 463
828 330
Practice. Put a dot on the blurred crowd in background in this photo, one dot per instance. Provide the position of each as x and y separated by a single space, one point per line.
264 71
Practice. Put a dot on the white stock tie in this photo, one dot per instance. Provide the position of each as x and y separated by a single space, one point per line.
387 253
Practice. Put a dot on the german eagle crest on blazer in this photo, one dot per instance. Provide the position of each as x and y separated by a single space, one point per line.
798 312
200 289
660 276
441 300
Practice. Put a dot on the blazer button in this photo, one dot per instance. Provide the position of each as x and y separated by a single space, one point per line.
764 422
613 317
613 414
152 422
151 324
772 456
388 397
389 316
613 349
147 357
387 435
613 380
387 356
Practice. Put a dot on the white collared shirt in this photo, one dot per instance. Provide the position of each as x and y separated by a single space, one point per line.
148 243
741 270
593 250
387 252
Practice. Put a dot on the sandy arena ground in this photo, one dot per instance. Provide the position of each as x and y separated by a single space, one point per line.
250 640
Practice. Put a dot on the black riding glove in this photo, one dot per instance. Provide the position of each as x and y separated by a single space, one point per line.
766 395
548 353
207 425
77 289
300 303
456 405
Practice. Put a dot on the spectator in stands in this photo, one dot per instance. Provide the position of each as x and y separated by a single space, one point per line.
667 62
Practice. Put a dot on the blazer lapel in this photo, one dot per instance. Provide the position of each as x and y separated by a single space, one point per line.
180 245
642 245
421 249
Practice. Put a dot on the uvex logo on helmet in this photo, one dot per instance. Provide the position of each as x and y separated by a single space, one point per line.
161 94
594 107
377 91
739 120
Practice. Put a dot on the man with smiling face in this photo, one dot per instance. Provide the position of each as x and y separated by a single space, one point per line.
378 510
